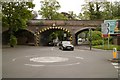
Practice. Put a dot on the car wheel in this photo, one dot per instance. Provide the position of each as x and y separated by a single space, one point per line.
59 47
72 49
62 48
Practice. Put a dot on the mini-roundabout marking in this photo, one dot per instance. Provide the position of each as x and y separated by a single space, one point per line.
41 61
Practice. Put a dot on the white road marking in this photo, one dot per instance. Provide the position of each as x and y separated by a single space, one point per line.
114 64
69 64
34 65
52 48
14 59
79 57
82 50
48 59
117 67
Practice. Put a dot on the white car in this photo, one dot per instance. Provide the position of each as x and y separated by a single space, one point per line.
66 45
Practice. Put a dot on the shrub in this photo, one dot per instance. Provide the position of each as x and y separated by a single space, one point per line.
96 35
13 41
97 42
96 38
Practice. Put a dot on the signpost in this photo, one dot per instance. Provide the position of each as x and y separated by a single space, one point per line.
105 29
111 24
109 27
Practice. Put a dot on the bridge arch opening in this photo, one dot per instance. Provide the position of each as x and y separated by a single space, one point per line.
24 37
81 36
52 35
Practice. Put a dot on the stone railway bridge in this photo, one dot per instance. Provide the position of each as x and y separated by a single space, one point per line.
37 30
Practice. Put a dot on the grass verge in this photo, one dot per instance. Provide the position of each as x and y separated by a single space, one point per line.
105 47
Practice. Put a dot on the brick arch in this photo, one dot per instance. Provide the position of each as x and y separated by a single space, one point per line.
30 31
82 30
24 36
41 32
5 37
49 28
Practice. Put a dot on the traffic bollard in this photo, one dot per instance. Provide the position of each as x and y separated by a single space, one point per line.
114 53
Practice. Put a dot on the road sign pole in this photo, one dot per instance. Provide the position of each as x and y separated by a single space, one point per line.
103 43
108 33
108 43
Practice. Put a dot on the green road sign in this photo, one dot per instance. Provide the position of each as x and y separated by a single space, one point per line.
111 25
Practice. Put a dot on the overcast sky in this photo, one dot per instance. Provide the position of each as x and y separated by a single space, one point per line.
66 5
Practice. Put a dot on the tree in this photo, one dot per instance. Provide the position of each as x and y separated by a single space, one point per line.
0 11
111 10
35 15
84 16
116 10
107 10
15 16
0 15
91 10
49 9
100 10
70 15
59 16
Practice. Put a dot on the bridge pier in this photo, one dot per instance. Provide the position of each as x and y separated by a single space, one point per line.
36 39
73 39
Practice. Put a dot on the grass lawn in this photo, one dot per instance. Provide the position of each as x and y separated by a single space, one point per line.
105 47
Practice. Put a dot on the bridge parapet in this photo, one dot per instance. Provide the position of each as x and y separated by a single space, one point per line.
84 23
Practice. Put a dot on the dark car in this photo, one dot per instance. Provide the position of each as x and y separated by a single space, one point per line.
66 45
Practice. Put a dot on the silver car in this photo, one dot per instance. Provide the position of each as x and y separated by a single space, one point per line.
66 45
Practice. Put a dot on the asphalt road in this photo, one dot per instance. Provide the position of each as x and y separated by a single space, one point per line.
50 62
